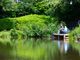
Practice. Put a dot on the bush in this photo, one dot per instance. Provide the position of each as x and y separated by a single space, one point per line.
37 25
6 24
17 34
4 36
31 25
73 34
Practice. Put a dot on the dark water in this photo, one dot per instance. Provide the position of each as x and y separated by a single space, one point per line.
64 52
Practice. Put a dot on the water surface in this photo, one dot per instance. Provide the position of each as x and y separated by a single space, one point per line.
38 49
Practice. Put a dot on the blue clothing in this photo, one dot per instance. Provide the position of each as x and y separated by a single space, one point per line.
64 30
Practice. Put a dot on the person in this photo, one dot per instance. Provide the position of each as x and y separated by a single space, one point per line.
66 30
63 30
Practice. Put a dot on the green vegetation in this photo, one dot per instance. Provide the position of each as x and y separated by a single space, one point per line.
37 25
31 49
13 8
59 8
6 24
73 38
22 19
74 33
31 25
76 46
5 36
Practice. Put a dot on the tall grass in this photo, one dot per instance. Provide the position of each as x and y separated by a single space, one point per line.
5 45
5 36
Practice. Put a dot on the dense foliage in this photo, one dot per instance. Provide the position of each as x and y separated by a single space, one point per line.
37 25
74 34
31 25
65 10
6 24
35 18
62 10
13 8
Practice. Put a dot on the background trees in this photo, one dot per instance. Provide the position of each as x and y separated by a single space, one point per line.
13 8
68 11
64 10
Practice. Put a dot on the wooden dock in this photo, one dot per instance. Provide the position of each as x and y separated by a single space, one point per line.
60 37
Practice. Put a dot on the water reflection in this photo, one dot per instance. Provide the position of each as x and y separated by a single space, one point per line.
63 46
66 51
43 49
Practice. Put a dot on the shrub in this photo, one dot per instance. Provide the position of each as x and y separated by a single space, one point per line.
37 25
17 34
6 24
31 25
74 33
4 36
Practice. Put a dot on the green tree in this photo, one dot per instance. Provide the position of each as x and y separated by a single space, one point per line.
68 11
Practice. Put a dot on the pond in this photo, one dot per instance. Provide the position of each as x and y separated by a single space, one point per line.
66 51
38 49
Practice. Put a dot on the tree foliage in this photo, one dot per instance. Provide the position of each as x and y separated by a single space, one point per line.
23 7
65 10
68 11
